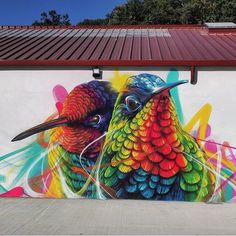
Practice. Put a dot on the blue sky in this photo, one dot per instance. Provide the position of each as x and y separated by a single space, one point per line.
24 12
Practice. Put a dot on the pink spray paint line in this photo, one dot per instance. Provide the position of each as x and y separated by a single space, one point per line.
213 142
60 94
15 192
211 145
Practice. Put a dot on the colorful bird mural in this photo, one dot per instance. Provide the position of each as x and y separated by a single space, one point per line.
76 137
147 154
127 138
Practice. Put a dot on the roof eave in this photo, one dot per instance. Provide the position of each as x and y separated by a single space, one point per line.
116 63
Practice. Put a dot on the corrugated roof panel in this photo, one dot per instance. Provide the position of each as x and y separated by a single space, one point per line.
155 49
136 48
83 46
201 48
94 33
86 54
77 41
13 40
115 33
20 47
205 48
35 50
122 33
230 39
102 45
229 50
118 48
93 45
2 32
67 45
29 33
137 32
76 33
211 47
174 50
48 47
190 46
16 33
144 33
64 34
127 47
6 38
22 38
130 33
108 33
8 33
57 47
161 33
54 33
165 51
151 32
187 54
145 48
118 44
108 50
101 33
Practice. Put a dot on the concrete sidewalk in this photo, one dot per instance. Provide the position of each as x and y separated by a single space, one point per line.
80 216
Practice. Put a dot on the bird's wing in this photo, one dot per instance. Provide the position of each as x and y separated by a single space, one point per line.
197 178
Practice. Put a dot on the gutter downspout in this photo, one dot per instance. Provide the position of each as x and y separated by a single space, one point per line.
193 75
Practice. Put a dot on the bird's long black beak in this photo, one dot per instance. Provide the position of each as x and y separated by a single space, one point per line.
165 87
42 127
170 86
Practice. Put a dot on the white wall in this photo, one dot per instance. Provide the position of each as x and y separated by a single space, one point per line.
26 97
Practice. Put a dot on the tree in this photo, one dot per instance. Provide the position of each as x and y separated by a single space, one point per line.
94 22
131 13
200 11
52 18
163 11
173 12
226 10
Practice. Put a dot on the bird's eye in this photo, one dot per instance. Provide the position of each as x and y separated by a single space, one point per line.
95 120
132 103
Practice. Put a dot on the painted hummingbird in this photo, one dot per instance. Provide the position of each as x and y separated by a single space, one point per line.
147 154
76 136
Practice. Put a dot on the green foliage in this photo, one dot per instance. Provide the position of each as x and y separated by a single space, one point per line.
52 18
163 11
94 22
200 11
132 13
136 12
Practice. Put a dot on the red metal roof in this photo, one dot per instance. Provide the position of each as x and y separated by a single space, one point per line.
188 45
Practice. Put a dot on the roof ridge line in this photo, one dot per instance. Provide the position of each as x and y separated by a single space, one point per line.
165 26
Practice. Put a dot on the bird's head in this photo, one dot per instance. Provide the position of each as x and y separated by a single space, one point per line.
84 118
142 95
143 126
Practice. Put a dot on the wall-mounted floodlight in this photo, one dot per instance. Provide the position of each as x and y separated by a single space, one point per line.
97 73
